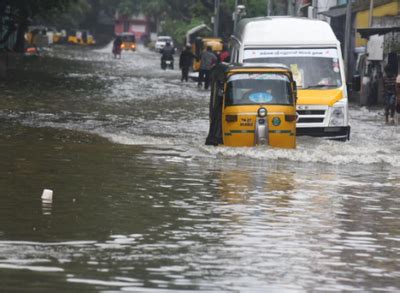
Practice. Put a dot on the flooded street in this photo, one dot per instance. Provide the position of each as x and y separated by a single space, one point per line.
141 204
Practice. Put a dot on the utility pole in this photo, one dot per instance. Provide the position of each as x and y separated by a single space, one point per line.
315 8
235 15
295 7
269 7
347 37
371 10
216 17
238 13
290 8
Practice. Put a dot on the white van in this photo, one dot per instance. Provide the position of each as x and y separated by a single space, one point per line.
311 50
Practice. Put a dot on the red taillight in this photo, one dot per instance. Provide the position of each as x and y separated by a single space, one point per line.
290 118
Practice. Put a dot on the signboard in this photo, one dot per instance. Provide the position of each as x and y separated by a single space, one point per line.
278 53
258 76
138 28
375 48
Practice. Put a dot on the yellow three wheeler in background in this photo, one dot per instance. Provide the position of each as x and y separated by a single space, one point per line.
201 44
128 41
80 37
253 105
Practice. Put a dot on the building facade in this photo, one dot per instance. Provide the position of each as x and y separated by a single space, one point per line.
137 24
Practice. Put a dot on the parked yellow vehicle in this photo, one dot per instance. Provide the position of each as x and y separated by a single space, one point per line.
201 44
128 41
80 37
198 39
253 105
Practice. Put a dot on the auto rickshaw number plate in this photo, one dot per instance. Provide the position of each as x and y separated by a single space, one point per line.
246 122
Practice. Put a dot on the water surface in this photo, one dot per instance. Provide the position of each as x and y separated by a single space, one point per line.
141 204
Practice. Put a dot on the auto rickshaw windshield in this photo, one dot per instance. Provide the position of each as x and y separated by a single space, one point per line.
128 38
258 88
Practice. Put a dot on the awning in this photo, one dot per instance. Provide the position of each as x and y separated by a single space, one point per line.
334 12
367 32
357 6
195 30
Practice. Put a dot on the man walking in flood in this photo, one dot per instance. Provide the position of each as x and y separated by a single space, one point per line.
398 97
116 50
185 62
389 88
207 60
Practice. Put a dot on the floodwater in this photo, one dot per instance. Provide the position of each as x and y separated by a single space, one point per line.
141 204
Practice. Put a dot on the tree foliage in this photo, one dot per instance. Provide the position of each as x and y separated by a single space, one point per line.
177 16
173 17
70 18
20 12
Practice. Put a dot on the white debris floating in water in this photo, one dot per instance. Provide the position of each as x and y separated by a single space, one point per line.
47 194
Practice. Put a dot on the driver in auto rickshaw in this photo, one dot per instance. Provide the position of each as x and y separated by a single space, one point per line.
253 105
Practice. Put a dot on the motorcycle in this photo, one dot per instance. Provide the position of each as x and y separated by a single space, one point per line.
167 64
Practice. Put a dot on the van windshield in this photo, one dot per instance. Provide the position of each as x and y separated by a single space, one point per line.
312 68
258 88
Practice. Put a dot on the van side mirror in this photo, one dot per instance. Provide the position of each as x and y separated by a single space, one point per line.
295 90
356 83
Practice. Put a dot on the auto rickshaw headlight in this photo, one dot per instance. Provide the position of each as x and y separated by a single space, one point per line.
262 112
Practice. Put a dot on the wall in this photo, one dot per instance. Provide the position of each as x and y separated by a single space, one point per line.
362 17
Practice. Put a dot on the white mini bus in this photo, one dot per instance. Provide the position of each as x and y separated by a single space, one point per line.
312 52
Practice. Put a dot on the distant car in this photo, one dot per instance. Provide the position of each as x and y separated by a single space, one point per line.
162 41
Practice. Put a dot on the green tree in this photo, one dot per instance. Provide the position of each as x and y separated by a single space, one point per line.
129 7
21 11
72 18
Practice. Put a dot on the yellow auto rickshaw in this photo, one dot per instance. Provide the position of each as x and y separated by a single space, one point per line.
200 44
128 41
253 104
80 37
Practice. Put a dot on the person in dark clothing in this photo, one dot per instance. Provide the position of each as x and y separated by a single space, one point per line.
217 77
398 96
389 91
116 50
167 54
185 62
207 62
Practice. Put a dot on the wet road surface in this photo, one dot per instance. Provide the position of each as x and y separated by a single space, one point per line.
141 204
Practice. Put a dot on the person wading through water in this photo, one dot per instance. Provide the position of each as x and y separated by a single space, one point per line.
207 61
389 90
185 62
116 50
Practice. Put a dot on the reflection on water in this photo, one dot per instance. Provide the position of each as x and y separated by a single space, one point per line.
140 204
